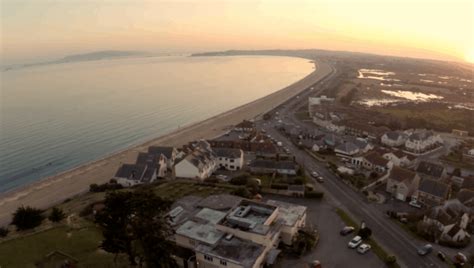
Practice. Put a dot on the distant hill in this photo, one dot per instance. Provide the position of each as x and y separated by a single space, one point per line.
93 56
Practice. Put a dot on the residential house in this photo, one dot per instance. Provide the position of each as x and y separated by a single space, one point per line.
402 183
466 197
228 158
228 231
399 158
346 150
421 141
433 192
245 126
457 232
199 164
133 174
372 161
394 138
314 103
431 171
359 129
265 166
319 145
363 145
166 154
154 163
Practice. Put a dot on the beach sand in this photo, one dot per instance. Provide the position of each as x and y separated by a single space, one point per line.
55 189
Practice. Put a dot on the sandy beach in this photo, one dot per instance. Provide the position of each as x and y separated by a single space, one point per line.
52 190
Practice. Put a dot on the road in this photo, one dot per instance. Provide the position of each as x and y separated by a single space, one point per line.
387 233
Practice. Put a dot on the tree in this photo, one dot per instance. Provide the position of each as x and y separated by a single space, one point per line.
305 240
3 231
134 223
365 233
56 215
27 218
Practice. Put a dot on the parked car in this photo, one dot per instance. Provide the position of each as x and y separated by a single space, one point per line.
347 230
441 256
314 174
362 249
315 264
415 204
222 177
320 179
355 242
425 250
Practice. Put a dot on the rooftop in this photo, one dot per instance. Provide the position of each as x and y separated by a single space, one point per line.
376 159
236 250
200 230
250 216
131 171
289 213
434 187
430 169
228 152
157 150
400 174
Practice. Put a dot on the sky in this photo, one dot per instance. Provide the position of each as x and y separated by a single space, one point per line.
34 30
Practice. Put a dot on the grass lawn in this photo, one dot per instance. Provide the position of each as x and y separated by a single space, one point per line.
176 189
81 244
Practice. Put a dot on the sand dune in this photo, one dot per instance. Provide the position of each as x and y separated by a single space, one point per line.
55 189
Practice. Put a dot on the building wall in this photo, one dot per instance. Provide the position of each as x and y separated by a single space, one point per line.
126 182
184 241
185 169
231 163
392 143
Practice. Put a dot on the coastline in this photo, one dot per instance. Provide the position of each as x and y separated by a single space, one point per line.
51 190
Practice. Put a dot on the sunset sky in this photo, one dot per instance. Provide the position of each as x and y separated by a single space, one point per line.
34 30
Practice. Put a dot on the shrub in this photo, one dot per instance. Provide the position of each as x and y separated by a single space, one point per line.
240 179
3 231
279 186
86 211
56 215
211 180
27 218
315 195
97 188
242 192
390 259
304 241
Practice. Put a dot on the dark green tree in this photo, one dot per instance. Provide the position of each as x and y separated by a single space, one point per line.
134 223
27 218
3 231
56 215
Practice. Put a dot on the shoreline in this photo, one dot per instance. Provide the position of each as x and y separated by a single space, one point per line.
52 190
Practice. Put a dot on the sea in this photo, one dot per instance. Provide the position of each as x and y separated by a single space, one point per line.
59 116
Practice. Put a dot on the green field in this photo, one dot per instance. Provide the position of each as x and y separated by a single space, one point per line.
82 244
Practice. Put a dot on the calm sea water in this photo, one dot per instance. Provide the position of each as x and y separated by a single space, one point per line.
56 117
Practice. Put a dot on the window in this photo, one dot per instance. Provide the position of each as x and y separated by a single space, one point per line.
208 258
232 160
191 242
223 263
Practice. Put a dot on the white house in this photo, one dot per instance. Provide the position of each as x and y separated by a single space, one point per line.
229 158
399 158
165 154
347 150
402 183
199 164
422 141
372 161
394 138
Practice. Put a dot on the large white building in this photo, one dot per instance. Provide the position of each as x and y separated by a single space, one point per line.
199 163
394 138
229 158
422 141
228 231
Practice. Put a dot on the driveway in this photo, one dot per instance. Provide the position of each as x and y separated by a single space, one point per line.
332 250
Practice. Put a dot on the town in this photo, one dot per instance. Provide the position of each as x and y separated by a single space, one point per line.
314 178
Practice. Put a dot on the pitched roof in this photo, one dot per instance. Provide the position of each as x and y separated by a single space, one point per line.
157 150
131 171
376 159
430 169
347 147
400 174
420 135
466 197
227 152
393 135
147 159
434 187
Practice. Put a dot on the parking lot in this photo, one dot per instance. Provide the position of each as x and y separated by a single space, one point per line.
332 250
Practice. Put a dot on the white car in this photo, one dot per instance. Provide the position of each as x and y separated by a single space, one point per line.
362 249
355 242
415 204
